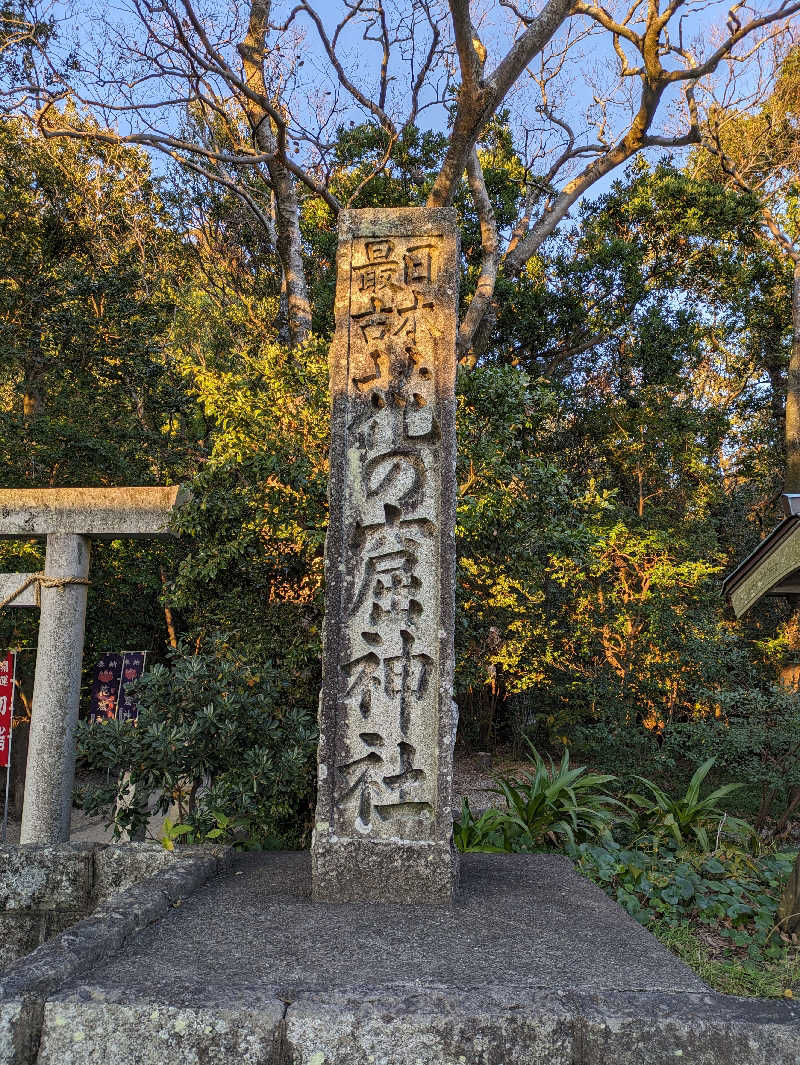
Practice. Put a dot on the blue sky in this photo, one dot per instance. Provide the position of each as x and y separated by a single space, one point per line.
313 89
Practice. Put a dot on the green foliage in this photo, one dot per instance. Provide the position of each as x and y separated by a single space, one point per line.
89 395
590 610
558 802
655 325
551 803
727 889
403 181
641 632
482 833
243 833
253 535
90 261
766 977
753 734
659 814
215 737
514 512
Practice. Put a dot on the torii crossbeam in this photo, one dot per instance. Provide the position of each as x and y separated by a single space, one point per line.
69 518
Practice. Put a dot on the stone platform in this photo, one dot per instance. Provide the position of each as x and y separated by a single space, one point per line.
532 966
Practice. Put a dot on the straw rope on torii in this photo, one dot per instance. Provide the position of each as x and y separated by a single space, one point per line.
39 581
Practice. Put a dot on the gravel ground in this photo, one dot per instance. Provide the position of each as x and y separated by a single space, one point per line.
474 773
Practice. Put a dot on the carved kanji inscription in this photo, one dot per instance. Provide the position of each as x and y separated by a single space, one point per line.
386 715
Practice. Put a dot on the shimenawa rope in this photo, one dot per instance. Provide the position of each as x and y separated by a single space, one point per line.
41 580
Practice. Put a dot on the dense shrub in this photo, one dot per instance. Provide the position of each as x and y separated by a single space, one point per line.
754 734
214 736
727 889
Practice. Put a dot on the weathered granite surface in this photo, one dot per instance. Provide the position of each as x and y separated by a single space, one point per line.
50 773
544 1027
47 889
11 582
509 928
43 890
533 965
101 513
383 829
100 1031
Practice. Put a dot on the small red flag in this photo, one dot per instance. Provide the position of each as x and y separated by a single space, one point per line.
6 705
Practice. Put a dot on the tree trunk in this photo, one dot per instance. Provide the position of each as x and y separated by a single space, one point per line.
623 150
31 400
792 430
470 120
790 673
170 616
287 209
528 246
479 99
777 401
33 380
789 907
289 248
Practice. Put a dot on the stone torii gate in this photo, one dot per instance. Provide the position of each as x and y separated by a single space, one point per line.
69 518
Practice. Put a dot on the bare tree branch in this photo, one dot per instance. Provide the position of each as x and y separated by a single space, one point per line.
478 99
370 105
253 108
654 79
289 245
484 290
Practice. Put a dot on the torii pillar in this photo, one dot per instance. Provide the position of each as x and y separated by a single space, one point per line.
69 518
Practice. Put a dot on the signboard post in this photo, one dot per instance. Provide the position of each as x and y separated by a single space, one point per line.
8 676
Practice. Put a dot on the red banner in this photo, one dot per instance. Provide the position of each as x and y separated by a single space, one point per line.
6 705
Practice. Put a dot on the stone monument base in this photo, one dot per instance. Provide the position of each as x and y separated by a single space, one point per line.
352 870
533 965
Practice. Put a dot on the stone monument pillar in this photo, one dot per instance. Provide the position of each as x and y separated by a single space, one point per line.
383 828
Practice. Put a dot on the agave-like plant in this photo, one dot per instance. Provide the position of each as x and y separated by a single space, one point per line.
658 814
471 833
553 802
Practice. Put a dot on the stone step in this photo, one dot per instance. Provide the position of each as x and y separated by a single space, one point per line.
532 965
